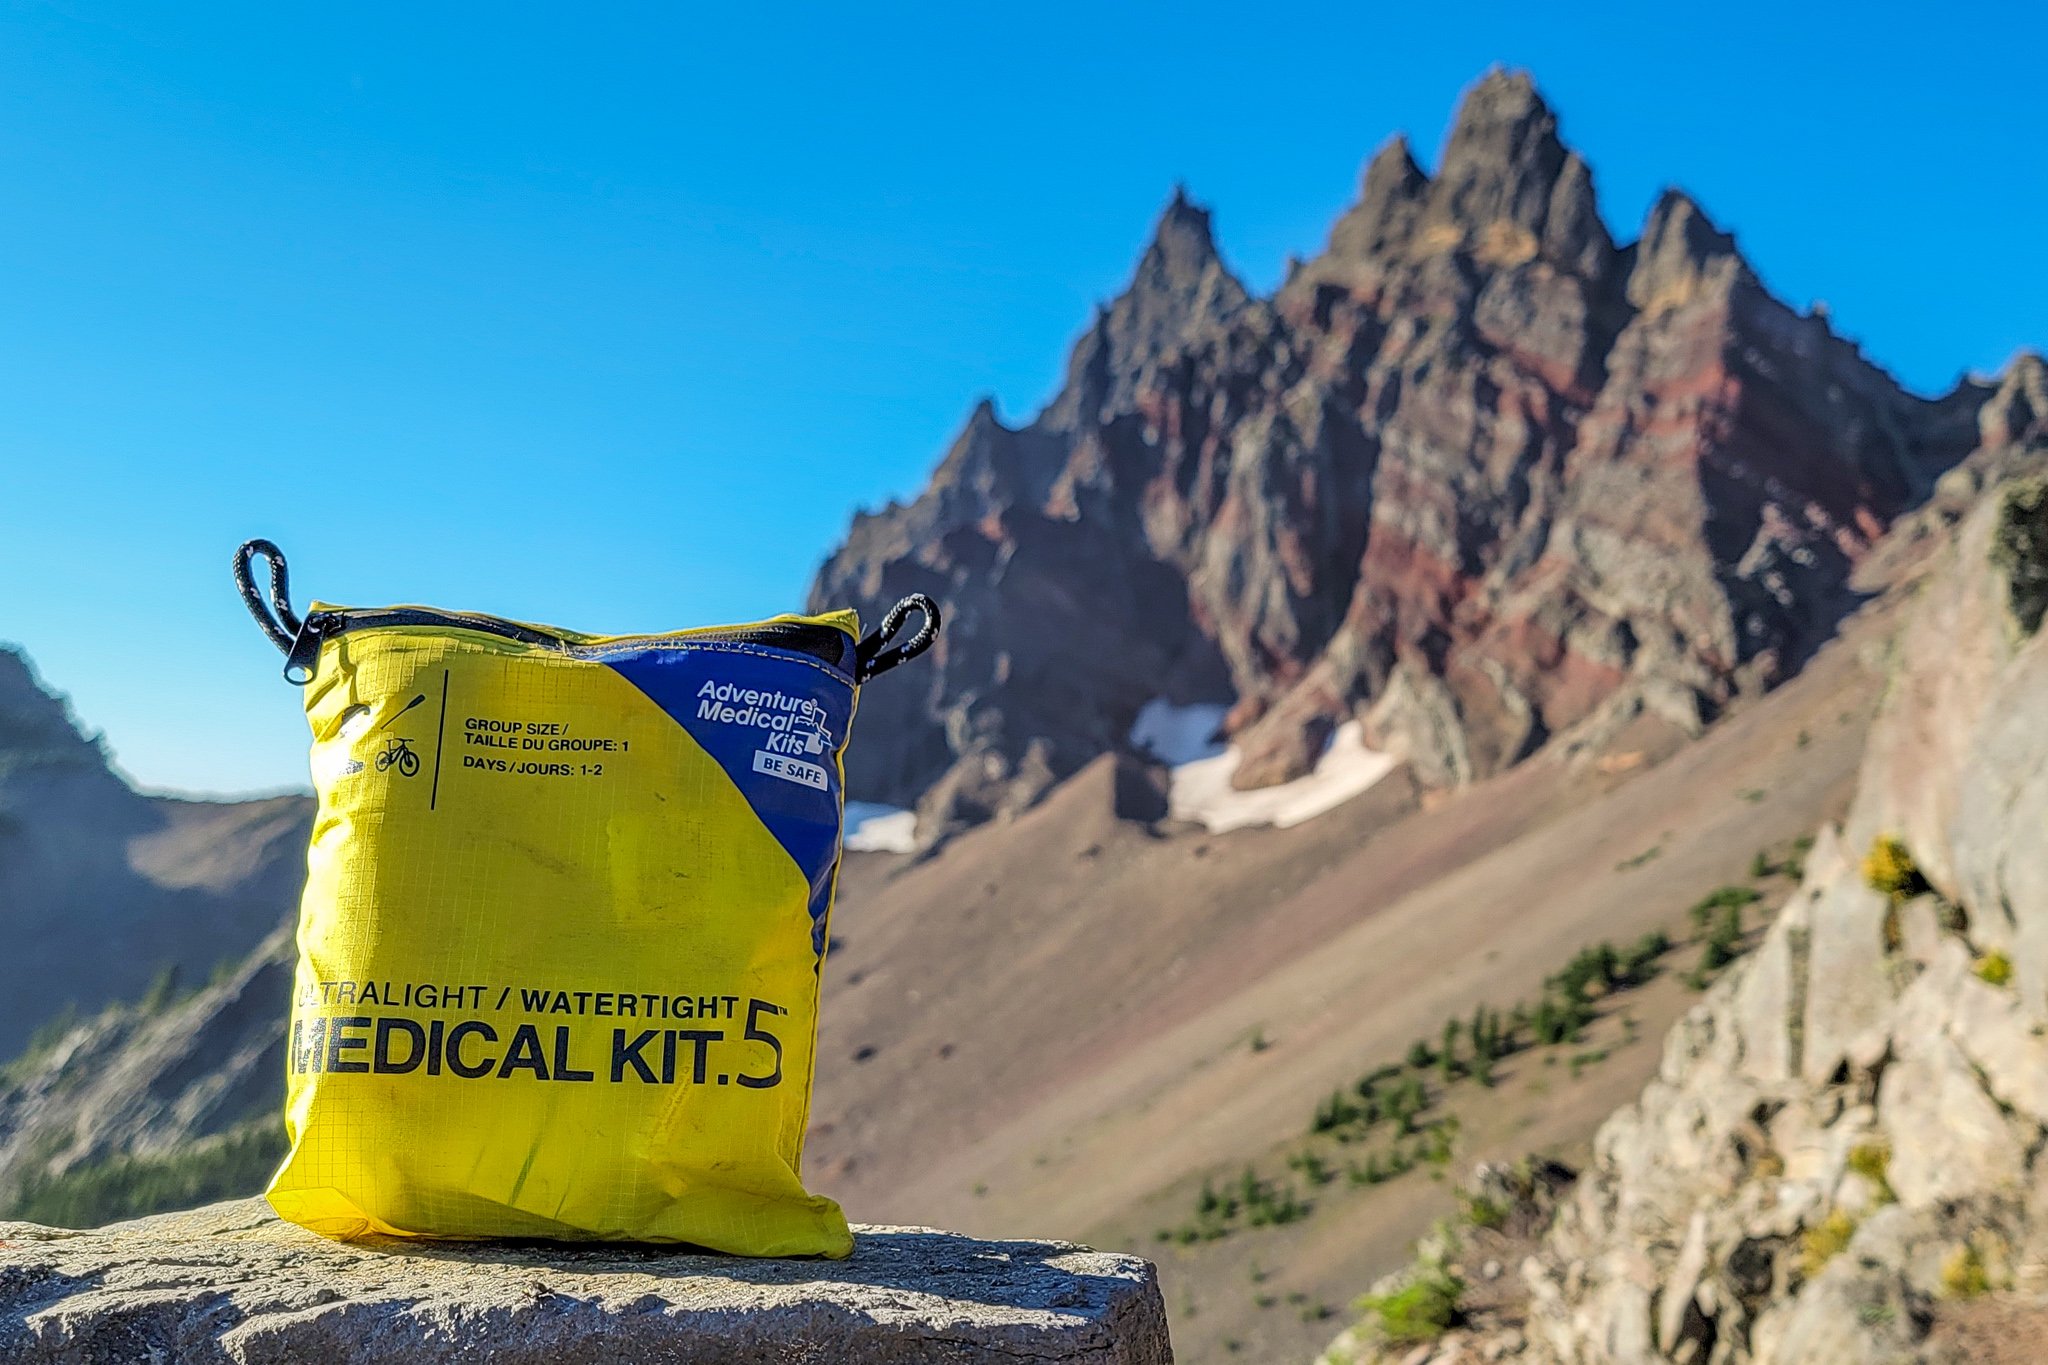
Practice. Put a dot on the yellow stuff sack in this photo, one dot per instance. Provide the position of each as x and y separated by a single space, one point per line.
565 916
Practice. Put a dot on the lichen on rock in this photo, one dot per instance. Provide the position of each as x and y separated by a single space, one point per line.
2019 547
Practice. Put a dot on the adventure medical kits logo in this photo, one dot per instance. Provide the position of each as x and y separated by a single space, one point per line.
793 730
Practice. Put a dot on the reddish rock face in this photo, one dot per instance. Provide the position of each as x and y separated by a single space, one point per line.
1475 473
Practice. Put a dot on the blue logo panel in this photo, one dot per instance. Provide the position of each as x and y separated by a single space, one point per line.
776 722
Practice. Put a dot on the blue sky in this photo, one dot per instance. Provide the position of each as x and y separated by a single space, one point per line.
610 315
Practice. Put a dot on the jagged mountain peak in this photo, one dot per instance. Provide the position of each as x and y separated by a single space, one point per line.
1502 160
1475 478
1574 235
982 433
1182 245
987 470
1506 190
984 414
1395 160
1184 220
1503 127
1181 273
1390 199
1502 90
1680 253
1180 286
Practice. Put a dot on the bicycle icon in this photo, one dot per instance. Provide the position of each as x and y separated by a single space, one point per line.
397 753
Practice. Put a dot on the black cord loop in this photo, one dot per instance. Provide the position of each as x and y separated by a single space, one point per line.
283 628
871 656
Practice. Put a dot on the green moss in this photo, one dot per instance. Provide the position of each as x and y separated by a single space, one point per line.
1964 1274
1873 1161
1889 868
1824 1241
1994 967
1484 1212
1421 1310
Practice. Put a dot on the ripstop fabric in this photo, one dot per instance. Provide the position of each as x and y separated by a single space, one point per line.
562 936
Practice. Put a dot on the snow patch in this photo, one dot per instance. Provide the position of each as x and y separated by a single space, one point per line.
1199 787
875 828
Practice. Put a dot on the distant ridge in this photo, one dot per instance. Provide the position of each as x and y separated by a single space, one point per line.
104 890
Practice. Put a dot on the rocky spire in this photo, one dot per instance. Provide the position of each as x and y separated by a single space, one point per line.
1573 234
1502 159
988 469
1179 286
1179 278
1680 255
1183 246
2018 412
1506 187
1388 204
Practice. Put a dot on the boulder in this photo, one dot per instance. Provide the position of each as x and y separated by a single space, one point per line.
1846 952
1949 1138
231 1283
1769 1008
1999 814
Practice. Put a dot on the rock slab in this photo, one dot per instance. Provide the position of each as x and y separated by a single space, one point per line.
231 1283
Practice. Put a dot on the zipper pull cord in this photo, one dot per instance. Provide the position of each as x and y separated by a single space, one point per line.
298 640
873 659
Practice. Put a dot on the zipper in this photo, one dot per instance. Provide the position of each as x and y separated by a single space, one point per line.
826 644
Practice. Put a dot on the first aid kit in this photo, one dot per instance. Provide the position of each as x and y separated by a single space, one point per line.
567 904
